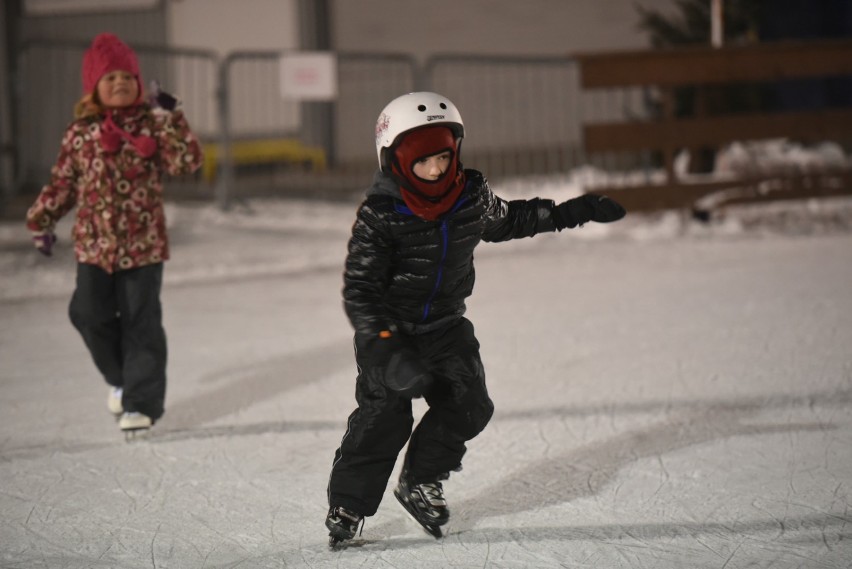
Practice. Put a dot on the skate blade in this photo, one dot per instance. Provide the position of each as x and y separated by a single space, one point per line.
338 543
335 544
431 529
131 435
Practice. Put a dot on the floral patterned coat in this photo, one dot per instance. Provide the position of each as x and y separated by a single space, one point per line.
120 221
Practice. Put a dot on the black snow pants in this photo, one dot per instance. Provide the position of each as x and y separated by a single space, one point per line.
119 316
459 408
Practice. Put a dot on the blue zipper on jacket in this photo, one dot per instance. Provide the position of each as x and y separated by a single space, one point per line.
445 242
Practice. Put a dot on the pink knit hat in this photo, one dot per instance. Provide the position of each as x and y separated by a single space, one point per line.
108 53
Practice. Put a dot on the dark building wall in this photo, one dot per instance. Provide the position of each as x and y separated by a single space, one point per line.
808 20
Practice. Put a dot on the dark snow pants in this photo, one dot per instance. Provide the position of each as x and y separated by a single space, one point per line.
459 408
120 318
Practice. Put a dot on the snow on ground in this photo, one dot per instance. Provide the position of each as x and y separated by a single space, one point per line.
669 394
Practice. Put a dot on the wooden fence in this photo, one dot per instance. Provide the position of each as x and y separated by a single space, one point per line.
703 69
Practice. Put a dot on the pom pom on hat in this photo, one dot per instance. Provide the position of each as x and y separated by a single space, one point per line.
108 53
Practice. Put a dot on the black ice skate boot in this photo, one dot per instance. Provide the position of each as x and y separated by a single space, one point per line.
426 504
342 525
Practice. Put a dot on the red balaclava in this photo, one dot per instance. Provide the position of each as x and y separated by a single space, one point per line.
428 199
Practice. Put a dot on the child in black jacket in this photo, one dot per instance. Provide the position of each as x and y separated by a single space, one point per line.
408 272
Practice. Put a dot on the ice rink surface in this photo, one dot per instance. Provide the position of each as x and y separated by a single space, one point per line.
668 395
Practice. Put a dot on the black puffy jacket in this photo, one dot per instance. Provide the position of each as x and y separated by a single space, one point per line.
403 272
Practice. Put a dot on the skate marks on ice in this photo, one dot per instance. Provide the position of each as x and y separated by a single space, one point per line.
64 447
674 544
584 471
240 388
156 435
807 530
233 390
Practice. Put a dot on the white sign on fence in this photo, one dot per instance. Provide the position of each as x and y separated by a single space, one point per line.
309 76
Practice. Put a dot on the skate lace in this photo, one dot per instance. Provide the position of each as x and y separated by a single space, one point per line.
352 517
433 493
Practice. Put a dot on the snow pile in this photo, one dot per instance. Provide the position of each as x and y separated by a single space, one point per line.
779 156
266 237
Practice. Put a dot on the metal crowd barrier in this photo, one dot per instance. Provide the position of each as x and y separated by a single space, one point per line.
523 115
48 86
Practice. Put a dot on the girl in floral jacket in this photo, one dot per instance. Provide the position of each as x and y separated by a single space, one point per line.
109 166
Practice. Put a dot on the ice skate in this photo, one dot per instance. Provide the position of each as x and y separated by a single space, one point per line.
114 401
342 525
426 504
134 425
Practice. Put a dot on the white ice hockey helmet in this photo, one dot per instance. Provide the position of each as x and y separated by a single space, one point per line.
411 111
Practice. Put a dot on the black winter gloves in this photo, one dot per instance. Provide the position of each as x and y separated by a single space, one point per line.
160 99
588 207
404 373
